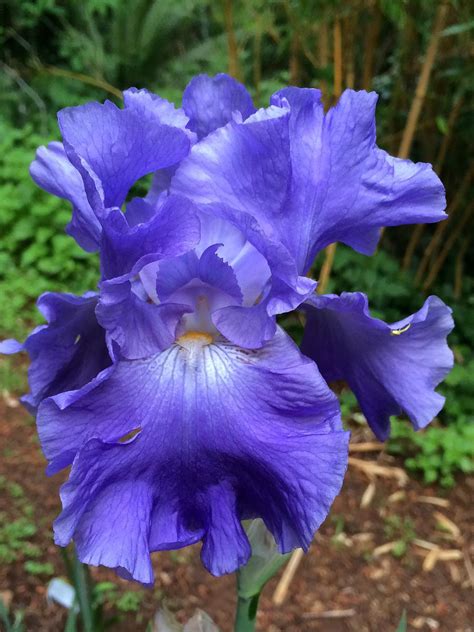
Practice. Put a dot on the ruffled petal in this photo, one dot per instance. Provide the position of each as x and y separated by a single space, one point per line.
174 274
392 369
223 434
52 171
210 102
344 188
138 327
243 166
171 231
148 105
251 326
112 148
311 179
110 514
68 352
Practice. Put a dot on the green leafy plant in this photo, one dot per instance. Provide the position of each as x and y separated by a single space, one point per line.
402 531
13 537
438 453
34 255
38 568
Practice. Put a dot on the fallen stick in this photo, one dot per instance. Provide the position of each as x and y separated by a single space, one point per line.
469 568
447 524
330 614
433 500
367 446
368 495
383 549
281 590
374 469
440 555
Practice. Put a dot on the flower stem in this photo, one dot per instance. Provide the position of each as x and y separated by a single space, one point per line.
246 614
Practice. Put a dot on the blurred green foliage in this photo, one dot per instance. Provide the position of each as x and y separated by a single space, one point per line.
57 53
35 253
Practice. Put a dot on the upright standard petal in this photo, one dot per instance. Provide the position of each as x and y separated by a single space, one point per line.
251 326
221 434
344 188
52 171
112 148
392 369
244 166
151 106
309 178
210 102
66 353
170 231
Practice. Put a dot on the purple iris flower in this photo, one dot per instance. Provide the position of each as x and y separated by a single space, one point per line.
181 405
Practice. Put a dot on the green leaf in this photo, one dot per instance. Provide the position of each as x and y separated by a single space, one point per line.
402 626
264 562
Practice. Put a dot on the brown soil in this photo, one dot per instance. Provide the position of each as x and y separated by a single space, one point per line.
340 586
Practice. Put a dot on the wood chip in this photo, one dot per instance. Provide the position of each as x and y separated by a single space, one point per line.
374 469
10 401
384 548
433 500
447 524
420 622
454 572
364 536
440 555
330 614
368 495
367 446
396 497
425 544
469 568
281 590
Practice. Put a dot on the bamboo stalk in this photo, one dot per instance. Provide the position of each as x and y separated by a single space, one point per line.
459 268
423 81
329 254
337 58
371 47
330 251
257 62
420 228
452 118
422 86
233 51
438 263
324 56
442 227
294 68
349 37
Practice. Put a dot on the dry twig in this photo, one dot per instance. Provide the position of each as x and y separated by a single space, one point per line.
433 500
374 469
366 446
330 614
281 590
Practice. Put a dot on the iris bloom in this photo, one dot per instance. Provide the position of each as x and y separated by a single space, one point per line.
181 405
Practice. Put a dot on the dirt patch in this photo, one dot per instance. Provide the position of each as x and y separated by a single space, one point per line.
340 586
